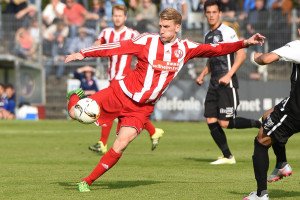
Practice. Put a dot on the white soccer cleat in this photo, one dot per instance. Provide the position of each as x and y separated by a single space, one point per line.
224 161
278 174
156 137
253 196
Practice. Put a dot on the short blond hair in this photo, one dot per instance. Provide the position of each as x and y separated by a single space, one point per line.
171 14
119 7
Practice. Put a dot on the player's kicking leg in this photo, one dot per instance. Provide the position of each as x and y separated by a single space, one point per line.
155 134
108 160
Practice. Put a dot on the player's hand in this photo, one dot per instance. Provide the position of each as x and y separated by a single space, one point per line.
200 80
225 80
79 92
256 39
74 56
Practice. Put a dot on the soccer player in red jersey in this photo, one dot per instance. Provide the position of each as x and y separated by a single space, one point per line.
132 99
119 67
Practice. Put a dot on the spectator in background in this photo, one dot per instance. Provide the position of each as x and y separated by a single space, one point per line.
25 16
14 6
2 94
75 16
3 112
55 40
85 3
8 109
179 5
88 84
134 9
257 22
54 9
199 7
248 5
97 8
53 35
83 40
25 46
228 9
280 24
34 30
108 5
147 18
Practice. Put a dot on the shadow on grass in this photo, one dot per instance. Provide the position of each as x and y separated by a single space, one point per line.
110 184
207 160
204 160
274 194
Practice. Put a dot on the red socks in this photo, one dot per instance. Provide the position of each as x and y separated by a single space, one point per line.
107 161
150 127
105 130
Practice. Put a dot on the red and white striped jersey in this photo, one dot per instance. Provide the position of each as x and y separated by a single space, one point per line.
119 65
158 62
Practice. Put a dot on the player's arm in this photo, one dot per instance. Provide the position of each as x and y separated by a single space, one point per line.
264 58
106 50
205 71
211 50
239 60
289 52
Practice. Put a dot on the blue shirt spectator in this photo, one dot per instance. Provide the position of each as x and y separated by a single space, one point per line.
87 82
249 5
9 103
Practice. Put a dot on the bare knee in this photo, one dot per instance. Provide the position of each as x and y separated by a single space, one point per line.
264 139
223 123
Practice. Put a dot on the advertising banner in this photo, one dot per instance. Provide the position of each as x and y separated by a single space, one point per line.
184 100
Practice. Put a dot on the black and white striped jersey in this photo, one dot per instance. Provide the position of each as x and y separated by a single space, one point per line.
291 53
219 66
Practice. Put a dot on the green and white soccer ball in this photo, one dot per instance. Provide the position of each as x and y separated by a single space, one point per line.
87 111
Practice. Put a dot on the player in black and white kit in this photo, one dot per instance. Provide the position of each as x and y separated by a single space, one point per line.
279 124
222 97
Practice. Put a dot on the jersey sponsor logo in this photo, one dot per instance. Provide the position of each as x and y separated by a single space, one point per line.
165 66
178 53
228 111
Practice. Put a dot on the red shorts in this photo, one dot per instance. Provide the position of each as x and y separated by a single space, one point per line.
115 104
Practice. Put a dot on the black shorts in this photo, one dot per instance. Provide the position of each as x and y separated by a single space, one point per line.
221 103
279 125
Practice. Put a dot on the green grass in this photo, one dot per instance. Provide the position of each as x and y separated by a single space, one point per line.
45 159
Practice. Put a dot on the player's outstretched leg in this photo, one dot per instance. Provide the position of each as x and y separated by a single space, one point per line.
108 160
241 123
155 134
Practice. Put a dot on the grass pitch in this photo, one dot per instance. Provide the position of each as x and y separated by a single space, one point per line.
45 159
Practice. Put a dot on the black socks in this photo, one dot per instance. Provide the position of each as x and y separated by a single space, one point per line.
219 137
260 160
240 122
279 151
